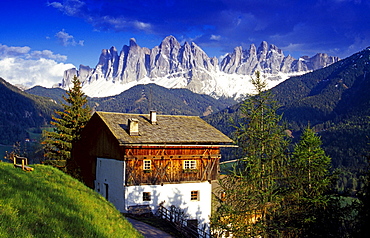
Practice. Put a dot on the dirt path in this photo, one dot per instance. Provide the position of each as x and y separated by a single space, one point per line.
148 231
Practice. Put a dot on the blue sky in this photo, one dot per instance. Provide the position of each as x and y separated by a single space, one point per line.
39 39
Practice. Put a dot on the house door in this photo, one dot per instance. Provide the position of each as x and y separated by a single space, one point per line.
106 191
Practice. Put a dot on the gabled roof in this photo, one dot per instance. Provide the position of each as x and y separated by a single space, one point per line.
169 129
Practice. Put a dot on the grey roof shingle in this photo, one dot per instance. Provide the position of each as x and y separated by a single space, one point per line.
168 130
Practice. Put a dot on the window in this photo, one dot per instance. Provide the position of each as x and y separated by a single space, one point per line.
194 196
147 165
190 164
146 196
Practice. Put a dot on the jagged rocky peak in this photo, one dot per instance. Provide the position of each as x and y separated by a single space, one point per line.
170 42
171 64
132 42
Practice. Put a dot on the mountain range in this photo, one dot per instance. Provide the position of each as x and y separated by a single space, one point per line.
143 98
173 65
335 102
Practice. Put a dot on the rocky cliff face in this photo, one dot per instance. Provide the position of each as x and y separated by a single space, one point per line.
187 66
269 59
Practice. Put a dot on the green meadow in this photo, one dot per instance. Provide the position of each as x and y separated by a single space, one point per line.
48 203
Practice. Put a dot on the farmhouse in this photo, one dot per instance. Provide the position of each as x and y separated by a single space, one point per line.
148 159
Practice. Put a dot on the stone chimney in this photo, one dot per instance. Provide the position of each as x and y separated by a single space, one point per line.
153 117
133 126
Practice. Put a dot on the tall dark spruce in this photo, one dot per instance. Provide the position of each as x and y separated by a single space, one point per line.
249 196
67 129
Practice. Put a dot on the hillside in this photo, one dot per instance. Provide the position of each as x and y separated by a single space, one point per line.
54 93
22 113
334 100
142 98
49 203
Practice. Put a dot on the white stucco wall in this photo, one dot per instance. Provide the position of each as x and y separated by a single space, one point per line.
174 194
111 172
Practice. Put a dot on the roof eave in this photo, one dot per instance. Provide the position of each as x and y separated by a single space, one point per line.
177 145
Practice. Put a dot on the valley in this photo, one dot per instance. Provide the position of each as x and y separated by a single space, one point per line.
333 100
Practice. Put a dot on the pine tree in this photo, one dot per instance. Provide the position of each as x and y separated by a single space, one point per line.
68 125
251 193
309 182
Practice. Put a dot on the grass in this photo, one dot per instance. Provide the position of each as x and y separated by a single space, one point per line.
48 203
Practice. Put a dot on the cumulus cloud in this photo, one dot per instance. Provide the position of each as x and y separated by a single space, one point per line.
13 51
47 54
66 39
21 65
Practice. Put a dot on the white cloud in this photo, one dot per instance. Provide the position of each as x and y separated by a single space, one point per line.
20 65
13 51
142 25
44 72
48 55
56 5
214 37
66 39
26 53
69 7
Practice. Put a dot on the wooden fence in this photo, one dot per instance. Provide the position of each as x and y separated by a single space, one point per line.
177 218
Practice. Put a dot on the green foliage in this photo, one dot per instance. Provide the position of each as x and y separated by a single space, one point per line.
251 193
49 203
364 196
271 192
68 127
307 183
309 166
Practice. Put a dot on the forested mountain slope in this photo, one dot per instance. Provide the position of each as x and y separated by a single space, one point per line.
142 98
335 101
21 112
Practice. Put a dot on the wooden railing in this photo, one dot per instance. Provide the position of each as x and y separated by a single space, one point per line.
177 218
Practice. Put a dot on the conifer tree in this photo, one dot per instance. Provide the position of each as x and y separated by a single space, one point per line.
250 194
364 213
68 125
309 181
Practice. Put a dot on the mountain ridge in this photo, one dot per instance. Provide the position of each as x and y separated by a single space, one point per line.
334 101
173 65
143 98
20 111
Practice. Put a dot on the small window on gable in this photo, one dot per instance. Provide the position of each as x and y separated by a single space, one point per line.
147 165
190 164
194 196
146 196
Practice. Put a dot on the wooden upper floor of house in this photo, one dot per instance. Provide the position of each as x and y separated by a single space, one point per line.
156 149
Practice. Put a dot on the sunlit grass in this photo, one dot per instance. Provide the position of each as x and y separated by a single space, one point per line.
49 203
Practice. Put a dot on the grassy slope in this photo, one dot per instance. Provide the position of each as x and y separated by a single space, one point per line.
48 203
